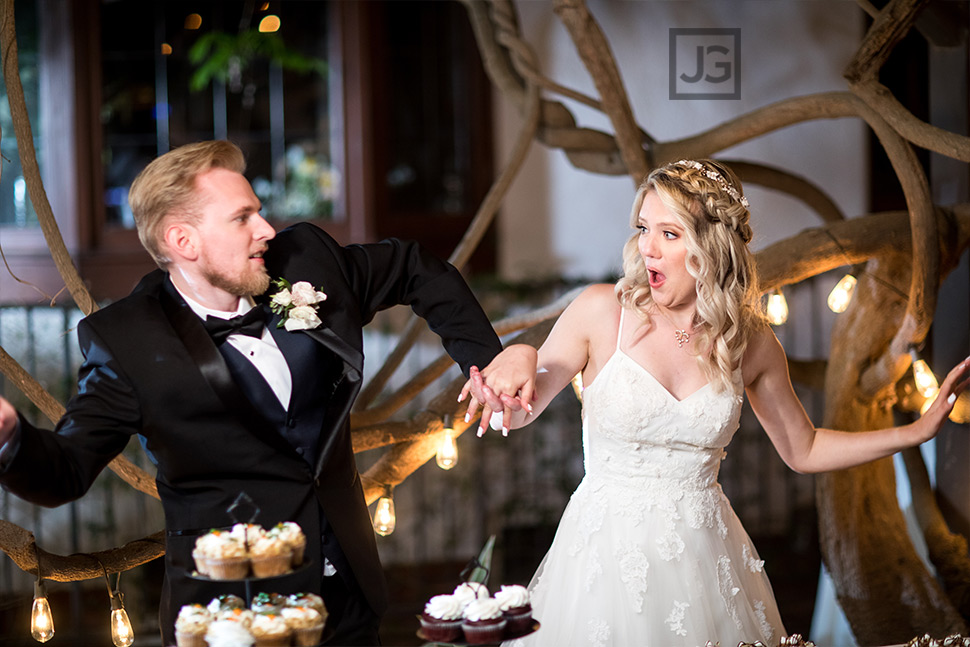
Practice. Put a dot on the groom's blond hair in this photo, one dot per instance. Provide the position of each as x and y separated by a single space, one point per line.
165 189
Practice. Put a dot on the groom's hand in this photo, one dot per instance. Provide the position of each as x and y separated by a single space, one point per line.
506 386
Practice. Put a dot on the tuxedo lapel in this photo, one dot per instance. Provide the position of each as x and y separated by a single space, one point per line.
214 369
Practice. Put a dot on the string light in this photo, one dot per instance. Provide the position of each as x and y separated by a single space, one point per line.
122 634
777 309
841 294
384 517
926 382
41 619
193 21
928 402
447 456
269 24
121 631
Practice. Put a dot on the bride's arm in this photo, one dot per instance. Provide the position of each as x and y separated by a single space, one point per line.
564 354
808 449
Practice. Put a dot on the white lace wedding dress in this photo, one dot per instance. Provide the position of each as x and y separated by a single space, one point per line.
649 552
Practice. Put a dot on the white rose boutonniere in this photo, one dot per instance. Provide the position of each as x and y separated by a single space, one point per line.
297 305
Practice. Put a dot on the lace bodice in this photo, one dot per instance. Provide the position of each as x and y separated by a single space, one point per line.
634 429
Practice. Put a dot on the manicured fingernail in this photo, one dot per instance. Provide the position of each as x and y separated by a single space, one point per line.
468 417
461 396
505 431
481 432
952 398
528 407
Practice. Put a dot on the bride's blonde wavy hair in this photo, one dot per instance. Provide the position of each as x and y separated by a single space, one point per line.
707 200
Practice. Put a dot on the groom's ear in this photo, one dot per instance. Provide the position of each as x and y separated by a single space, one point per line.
181 240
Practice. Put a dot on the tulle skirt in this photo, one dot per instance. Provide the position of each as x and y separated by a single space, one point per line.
636 567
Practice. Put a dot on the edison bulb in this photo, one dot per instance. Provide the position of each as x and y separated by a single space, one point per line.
384 517
41 619
447 456
925 380
122 634
777 309
841 294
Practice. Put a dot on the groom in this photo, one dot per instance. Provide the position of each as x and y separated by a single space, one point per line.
261 409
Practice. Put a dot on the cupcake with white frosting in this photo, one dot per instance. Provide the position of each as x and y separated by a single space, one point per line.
306 623
466 592
191 624
483 622
291 533
516 605
228 633
442 617
270 630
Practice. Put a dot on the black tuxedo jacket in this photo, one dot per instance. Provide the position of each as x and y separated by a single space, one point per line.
151 369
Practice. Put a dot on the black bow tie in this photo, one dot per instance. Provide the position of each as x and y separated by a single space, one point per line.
250 324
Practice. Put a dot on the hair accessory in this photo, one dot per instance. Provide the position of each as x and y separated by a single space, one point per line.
717 177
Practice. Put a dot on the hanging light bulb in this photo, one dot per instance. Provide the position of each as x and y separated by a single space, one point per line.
930 399
121 631
777 309
926 382
41 620
841 294
447 456
384 517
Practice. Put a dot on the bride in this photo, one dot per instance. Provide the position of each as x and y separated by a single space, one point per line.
649 551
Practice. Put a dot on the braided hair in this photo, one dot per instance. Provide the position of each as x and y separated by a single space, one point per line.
707 200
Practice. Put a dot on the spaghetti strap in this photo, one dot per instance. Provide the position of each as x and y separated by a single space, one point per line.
619 332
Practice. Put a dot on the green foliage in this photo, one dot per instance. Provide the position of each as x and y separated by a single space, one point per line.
215 53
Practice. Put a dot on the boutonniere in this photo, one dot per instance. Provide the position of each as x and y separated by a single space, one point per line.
296 304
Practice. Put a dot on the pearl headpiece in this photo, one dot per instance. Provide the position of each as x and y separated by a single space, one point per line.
712 174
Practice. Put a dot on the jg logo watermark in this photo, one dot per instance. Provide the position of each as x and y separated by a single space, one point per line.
705 63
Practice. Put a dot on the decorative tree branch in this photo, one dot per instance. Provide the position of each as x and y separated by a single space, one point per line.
21 547
594 49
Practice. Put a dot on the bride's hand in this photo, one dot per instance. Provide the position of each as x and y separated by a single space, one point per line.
955 383
506 385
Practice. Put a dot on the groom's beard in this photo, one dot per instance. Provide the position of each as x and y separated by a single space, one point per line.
251 283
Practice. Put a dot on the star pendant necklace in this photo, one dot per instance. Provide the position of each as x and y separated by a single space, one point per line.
680 334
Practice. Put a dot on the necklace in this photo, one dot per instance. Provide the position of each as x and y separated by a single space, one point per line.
680 334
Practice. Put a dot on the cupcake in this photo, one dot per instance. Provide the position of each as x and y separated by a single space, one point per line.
269 556
191 624
468 591
441 620
243 617
270 630
225 602
206 546
268 603
306 623
311 600
247 533
293 536
483 622
516 607
228 633
226 558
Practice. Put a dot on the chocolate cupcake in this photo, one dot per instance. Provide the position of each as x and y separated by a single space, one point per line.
442 618
516 606
483 622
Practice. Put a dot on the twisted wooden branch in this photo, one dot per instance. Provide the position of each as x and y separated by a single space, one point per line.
595 52
22 548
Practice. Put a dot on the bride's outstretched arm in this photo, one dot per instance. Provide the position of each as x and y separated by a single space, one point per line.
808 449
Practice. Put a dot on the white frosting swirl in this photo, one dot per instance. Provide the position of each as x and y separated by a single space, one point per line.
512 596
444 607
193 619
228 633
468 591
483 609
